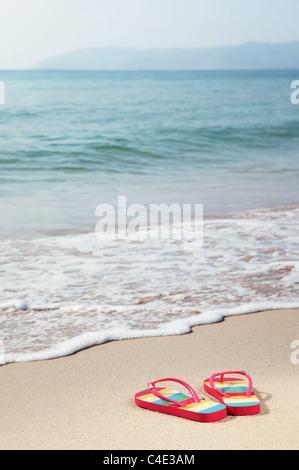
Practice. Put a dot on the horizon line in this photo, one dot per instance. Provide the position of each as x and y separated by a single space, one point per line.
249 69
245 69
34 65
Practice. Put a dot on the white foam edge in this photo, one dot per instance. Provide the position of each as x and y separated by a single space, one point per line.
173 328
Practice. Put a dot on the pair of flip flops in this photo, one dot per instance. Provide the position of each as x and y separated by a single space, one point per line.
234 395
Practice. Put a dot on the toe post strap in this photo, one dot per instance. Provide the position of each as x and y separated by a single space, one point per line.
219 377
152 388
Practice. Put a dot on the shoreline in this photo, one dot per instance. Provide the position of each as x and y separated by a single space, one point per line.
167 288
86 400
177 327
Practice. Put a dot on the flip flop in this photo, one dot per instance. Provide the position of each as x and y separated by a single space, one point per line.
167 400
233 392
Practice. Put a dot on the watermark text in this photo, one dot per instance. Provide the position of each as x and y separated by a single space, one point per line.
153 222
295 353
295 94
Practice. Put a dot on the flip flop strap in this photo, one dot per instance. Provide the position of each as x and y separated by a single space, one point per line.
151 386
221 374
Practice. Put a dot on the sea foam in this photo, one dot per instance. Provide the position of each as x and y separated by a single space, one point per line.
62 294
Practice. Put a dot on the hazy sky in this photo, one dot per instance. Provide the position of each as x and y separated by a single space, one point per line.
34 29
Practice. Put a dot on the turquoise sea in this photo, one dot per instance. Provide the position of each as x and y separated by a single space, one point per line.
70 141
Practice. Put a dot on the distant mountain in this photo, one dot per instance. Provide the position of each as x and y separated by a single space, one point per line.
252 55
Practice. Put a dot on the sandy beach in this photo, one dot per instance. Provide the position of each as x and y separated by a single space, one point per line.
86 401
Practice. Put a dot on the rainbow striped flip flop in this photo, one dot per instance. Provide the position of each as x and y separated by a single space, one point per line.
235 393
167 400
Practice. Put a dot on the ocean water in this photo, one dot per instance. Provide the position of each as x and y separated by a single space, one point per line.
70 141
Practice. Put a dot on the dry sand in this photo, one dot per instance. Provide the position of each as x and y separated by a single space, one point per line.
86 401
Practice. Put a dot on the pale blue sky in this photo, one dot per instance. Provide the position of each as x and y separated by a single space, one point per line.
34 29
